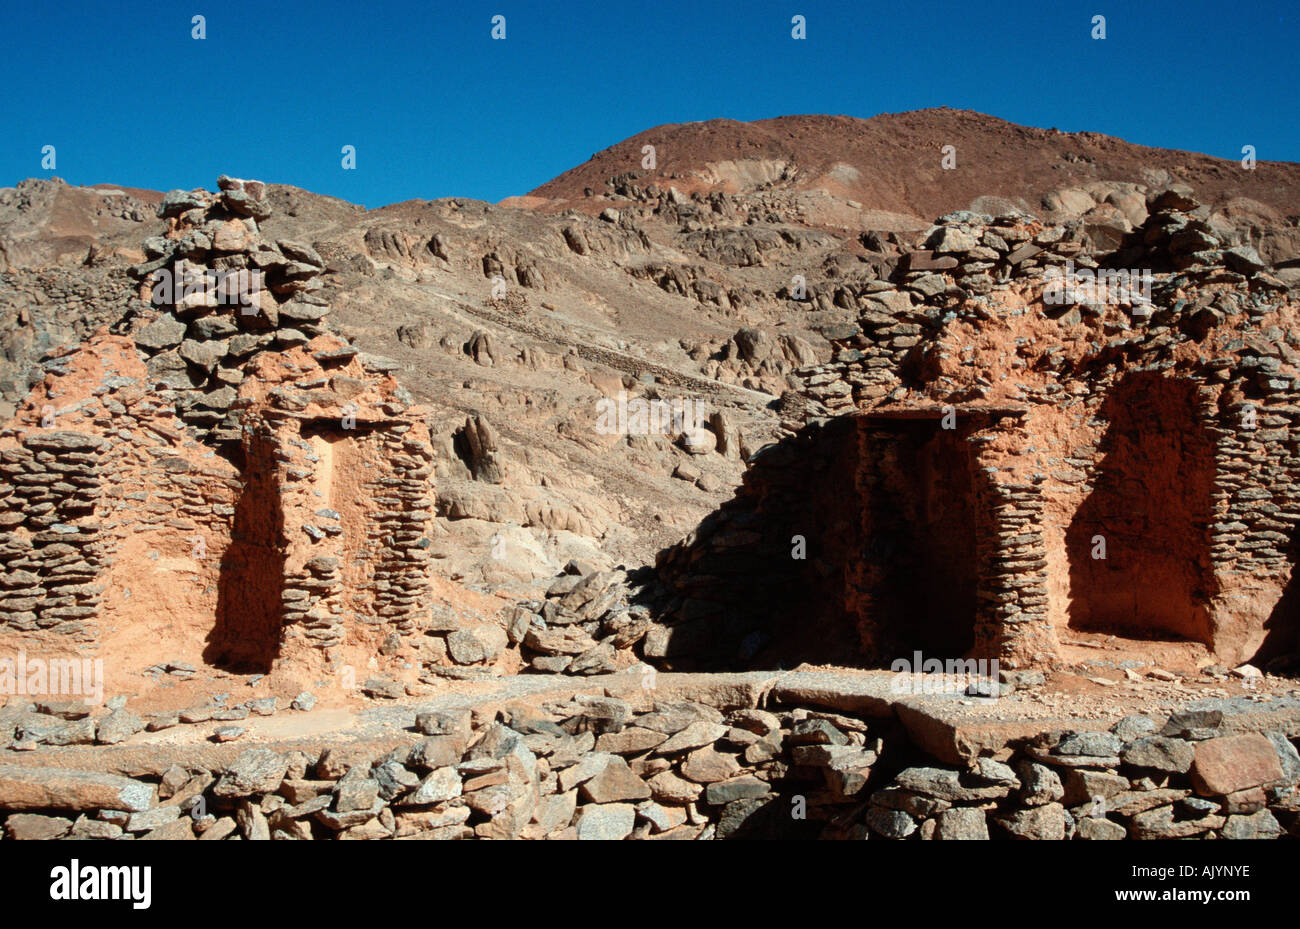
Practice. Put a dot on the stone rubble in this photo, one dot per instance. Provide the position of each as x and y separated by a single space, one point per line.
599 767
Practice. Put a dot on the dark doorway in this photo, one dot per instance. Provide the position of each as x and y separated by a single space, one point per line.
921 561
247 634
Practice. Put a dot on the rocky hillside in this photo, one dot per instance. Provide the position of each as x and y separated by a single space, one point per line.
679 282
892 162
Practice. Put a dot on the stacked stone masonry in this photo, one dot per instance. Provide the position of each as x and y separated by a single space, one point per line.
224 427
53 545
596 767
1117 423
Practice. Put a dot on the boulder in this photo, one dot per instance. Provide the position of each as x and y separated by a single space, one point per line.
44 788
1232 763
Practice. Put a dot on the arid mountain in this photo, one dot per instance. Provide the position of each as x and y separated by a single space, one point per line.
892 162
49 222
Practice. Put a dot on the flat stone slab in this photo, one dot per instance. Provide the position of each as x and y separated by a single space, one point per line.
49 788
955 733
1242 714
866 693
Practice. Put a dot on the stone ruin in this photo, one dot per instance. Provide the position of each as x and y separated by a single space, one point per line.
290 471
952 473
989 469
992 467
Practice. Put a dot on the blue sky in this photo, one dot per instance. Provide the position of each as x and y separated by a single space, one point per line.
437 108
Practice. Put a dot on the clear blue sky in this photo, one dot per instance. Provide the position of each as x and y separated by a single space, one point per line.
436 108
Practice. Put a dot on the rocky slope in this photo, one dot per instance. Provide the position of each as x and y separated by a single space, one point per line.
678 281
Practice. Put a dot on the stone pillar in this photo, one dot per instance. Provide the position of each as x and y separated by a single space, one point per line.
1012 617
399 531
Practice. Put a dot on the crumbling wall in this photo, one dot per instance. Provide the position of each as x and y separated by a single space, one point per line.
222 294
343 461
595 766
179 475
1148 484
135 488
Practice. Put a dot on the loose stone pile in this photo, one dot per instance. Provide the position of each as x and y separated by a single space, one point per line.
225 294
597 767
581 626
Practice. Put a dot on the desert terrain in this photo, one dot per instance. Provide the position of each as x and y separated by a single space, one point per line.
794 486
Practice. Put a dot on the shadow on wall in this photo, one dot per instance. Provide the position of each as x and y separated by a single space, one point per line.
247 635
890 510
737 596
917 574
1280 650
1152 504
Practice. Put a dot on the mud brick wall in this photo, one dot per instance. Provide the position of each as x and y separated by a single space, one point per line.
51 542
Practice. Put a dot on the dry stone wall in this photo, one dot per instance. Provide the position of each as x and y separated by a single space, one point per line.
1129 387
597 767
53 544
284 473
